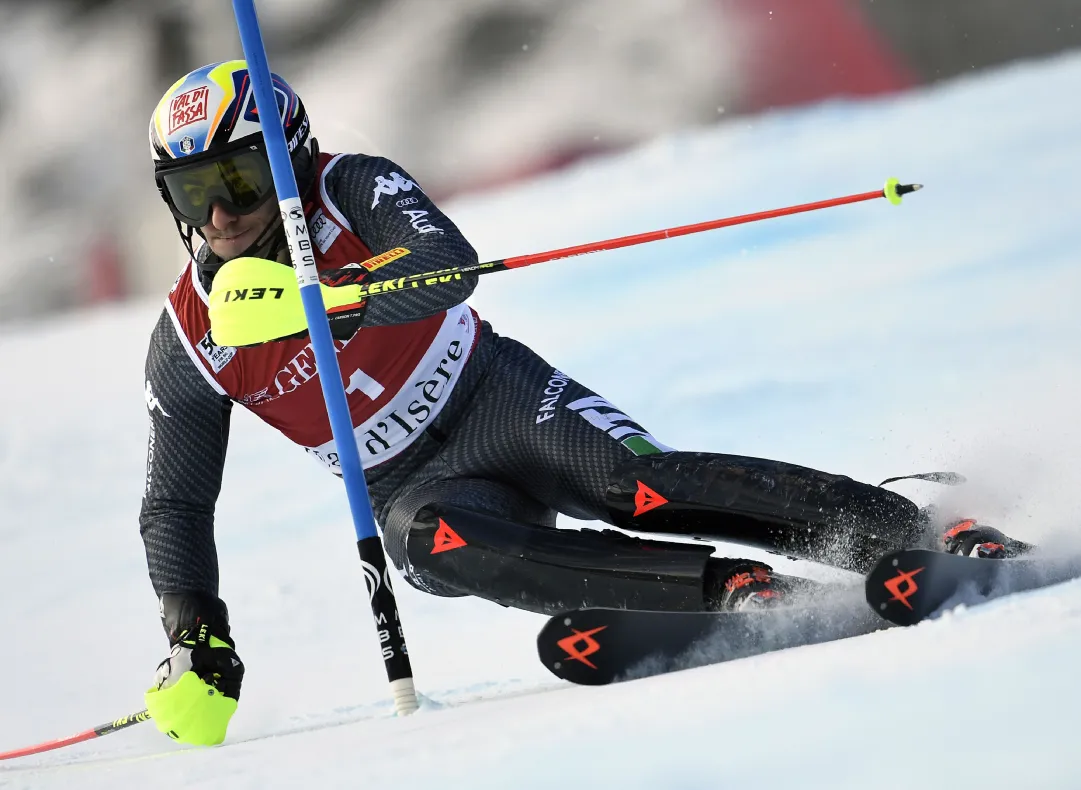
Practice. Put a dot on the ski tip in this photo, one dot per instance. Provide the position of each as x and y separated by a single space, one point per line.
894 588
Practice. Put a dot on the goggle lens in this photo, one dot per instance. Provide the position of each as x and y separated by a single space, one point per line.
240 182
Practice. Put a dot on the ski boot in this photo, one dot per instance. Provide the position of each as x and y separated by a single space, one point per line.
734 585
970 539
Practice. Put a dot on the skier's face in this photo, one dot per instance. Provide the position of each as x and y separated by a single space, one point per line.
230 234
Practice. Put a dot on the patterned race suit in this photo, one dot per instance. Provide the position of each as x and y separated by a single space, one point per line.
444 409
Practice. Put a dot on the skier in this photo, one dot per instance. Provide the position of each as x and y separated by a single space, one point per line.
471 443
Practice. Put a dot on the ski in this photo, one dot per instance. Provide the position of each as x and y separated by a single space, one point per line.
599 646
908 586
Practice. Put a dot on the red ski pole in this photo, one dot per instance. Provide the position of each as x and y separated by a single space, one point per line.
96 732
893 192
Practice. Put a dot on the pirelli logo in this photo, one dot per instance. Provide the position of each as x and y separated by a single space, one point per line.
384 258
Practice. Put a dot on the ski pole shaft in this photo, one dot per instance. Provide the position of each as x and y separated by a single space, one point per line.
685 230
893 191
102 729
373 559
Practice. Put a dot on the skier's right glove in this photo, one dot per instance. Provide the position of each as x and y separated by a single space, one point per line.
255 301
197 687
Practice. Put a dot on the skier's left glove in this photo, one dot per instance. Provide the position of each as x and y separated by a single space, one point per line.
197 687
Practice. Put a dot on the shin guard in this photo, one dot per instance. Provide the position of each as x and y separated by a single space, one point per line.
772 505
548 570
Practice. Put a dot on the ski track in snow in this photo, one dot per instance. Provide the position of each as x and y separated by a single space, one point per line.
866 340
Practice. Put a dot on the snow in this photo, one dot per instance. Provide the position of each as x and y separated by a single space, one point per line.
867 340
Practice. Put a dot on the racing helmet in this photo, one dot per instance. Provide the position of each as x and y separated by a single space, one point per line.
207 145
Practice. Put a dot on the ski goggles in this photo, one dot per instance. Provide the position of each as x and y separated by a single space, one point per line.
240 181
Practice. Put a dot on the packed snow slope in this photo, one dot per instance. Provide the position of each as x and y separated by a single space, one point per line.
867 340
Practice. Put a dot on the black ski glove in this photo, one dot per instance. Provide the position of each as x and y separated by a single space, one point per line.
344 323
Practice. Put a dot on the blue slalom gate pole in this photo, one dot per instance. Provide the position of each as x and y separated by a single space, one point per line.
372 557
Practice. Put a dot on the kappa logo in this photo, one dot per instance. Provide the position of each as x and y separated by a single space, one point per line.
589 645
902 594
446 539
390 186
646 499
152 402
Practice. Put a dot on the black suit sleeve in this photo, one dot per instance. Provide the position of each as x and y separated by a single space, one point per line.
189 429
387 209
